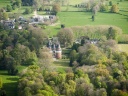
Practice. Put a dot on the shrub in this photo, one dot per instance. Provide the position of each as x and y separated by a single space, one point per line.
28 11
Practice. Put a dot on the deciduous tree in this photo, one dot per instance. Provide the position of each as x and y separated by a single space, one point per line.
114 9
56 8
73 56
66 36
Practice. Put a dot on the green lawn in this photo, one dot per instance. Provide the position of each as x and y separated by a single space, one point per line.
73 2
61 65
9 83
4 3
123 47
84 18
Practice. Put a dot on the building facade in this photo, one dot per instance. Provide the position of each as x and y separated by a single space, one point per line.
55 49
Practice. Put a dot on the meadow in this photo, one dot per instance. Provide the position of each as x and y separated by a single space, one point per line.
4 3
123 47
78 17
84 18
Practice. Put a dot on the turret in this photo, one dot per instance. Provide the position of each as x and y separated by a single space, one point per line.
58 52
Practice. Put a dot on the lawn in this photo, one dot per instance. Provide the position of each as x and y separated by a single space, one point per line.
123 47
61 65
84 18
10 83
4 3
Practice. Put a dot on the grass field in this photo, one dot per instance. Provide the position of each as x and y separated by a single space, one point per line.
10 83
61 65
4 3
123 47
84 18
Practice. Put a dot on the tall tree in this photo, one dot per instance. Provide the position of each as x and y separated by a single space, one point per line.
112 34
9 8
66 36
73 55
45 58
114 9
18 3
56 8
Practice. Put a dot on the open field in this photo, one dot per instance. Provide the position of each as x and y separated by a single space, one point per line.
4 3
84 18
123 47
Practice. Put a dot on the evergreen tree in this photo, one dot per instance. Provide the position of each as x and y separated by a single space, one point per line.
73 56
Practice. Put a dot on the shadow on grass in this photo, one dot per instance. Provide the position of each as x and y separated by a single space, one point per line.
11 88
62 63
3 72
13 79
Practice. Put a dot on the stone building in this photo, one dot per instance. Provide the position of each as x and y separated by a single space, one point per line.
55 49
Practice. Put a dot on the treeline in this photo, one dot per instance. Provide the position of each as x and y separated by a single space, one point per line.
28 2
20 47
67 36
93 32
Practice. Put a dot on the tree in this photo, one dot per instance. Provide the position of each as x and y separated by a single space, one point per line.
36 4
9 8
110 3
112 34
88 7
11 66
45 58
114 9
56 8
66 36
62 25
3 93
89 54
73 55
28 11
36 38
1 15
18 3
103 8
93 17
5 16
